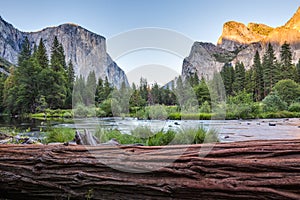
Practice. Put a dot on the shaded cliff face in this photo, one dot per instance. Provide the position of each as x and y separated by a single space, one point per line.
238 43
201 61
87 50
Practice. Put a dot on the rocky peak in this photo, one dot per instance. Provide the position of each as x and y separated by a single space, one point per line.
294 22
236 35
86 49
238 43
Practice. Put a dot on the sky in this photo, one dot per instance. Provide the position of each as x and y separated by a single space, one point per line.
199 20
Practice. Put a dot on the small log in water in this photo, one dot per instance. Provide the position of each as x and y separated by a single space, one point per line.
241 170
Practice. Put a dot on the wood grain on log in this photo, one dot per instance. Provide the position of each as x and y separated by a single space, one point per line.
241 170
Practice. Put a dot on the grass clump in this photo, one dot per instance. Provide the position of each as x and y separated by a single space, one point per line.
60 135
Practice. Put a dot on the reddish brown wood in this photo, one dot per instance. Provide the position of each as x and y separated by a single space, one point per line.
241 170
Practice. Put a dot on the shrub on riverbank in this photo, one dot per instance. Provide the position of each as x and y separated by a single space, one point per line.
60 135
144 135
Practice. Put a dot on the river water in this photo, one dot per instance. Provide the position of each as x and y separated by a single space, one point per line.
229 130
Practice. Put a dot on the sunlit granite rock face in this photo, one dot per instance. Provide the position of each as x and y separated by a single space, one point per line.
85 49
238 43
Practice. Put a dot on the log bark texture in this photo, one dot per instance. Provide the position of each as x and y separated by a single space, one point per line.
241 170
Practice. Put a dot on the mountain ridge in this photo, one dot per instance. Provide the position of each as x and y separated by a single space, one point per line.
87 50
239 42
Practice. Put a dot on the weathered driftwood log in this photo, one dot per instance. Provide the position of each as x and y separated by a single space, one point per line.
242 170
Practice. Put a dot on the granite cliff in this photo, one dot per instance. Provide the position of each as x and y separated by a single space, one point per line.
239 42
87 50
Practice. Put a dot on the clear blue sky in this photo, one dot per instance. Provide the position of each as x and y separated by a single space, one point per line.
200 20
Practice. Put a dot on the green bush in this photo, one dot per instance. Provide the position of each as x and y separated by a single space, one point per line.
205 107
105 135
273 103
143 132
175 116
60 135
195 136
81 111
294 107
161 138
143 135
288 90
280 114
157 112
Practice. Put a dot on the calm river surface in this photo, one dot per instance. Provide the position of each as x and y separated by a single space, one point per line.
229 130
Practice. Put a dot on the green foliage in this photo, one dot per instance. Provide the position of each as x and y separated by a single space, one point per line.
205 108
258 78
70 83
144 135
294 107
288 90
286 61
279 114
270 72
202 92
105 106
82 110
105 135
227 74
239 78
241 106
143 132
161 138
25 53
298 71
273 103
34 86
41 55
2 82
195 136
57 60
190 116
90 89
60 135
157 112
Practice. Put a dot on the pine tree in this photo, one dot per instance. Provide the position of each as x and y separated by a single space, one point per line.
2 81
156 94
99 96
10 93
25 53
286 55
57 61
22 88
258 78
107 88
269 70
227 74
41 55
298 72
193 79
202 92
78 91
250 82
91 85
239 77
143 89
286 67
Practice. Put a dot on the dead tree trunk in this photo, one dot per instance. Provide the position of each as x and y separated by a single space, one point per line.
242 170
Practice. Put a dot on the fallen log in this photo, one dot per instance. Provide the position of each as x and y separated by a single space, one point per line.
240 170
